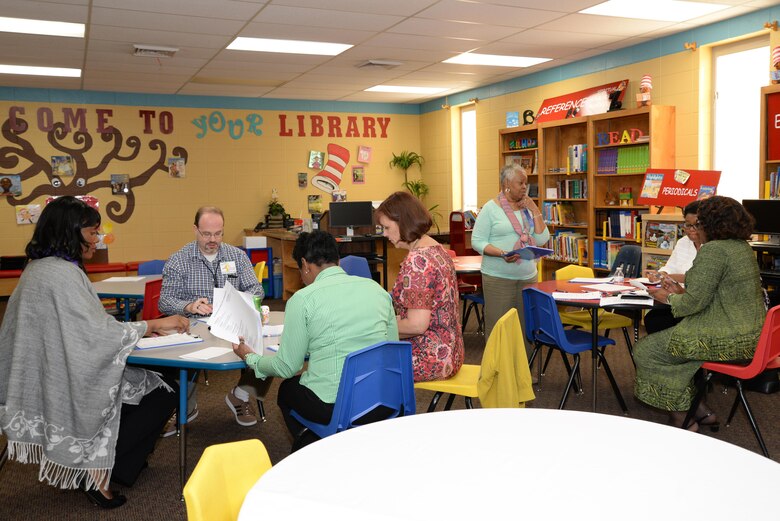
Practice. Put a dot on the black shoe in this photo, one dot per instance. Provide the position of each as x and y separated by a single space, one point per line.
97 498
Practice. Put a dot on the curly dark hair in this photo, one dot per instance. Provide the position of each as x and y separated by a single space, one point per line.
58 231
318 248
723 218
413 219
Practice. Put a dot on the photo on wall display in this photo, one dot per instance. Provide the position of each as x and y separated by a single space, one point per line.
315 203
364 154
358 175
176 167
120 184
62 166
316 159
338 196
10 185
303 180
28 213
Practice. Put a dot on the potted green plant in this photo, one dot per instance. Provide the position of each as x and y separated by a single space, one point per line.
405 160
276 212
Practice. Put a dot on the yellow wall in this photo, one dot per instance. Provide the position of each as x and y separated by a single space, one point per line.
235 174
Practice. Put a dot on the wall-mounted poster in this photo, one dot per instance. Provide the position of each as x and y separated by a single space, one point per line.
364 154
28 213
315 203
339 196
303 180
176 167
11 185
62 166
316 159
358 175
120 184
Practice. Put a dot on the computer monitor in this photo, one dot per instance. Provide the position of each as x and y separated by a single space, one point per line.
350 214
765 212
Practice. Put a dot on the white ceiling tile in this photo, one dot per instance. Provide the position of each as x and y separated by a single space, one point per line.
195 89
163 22
73 12
406 41
562 38
396 7
305 33
325 17
449 29
592 24
224 9
488 14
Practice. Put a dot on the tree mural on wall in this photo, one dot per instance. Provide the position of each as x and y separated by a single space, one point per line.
84 181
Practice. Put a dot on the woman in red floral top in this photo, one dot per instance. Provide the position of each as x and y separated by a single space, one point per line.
426 291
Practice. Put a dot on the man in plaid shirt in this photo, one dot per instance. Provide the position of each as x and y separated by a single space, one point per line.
189 278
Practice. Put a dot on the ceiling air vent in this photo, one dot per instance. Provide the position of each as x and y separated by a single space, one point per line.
153 51
382 64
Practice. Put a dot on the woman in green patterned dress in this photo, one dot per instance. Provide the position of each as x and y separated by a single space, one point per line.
722 310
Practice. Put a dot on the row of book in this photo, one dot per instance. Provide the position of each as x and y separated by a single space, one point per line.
624 224
605 252
623 160
569 189
569 246
559 213
577 159
774 185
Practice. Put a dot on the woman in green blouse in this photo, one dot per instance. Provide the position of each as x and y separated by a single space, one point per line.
722 311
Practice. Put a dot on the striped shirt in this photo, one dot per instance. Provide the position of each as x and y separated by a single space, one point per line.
332 317
188 276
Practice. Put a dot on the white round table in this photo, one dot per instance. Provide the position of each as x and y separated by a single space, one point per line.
516 463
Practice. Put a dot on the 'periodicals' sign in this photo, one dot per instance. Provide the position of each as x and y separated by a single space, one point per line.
670 187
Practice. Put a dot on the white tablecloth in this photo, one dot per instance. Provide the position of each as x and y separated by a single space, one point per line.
516 464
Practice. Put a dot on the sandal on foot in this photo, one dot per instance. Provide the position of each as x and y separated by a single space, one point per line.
713 424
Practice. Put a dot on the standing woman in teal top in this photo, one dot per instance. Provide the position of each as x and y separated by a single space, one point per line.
509 221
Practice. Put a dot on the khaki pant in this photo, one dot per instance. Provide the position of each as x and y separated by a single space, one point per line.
500 296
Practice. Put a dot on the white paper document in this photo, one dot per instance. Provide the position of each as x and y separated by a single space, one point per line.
167 340
563 295
621 300
587 280
608 288
273 330
234 315
207 353
123 279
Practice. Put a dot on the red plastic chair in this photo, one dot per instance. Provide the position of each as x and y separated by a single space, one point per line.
471 293
765 357
150 309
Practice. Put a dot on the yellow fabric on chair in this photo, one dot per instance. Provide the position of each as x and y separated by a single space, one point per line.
225 473
503 379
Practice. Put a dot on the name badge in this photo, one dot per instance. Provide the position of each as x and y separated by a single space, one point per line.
228 268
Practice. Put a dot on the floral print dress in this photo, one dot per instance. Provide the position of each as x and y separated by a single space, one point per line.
427 280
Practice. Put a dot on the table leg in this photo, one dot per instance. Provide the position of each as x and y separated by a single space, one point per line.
594 335
181 417
127 309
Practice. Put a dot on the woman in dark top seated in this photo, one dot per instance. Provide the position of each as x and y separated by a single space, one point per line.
68 402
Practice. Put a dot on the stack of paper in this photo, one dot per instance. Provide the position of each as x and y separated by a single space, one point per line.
563 295
167 340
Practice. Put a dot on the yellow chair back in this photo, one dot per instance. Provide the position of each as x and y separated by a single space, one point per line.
225 473
260 270
573 271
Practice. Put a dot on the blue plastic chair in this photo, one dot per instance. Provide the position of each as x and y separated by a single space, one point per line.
378 375
544 327
153 267
475 301
356 266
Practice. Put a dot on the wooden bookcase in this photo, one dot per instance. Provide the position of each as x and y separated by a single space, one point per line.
553 168
521 145
653 255
770 109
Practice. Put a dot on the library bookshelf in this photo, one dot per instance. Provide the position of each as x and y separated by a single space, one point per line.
594 199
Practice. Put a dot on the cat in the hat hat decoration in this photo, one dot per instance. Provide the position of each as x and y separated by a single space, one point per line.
645 86
329 177
775 74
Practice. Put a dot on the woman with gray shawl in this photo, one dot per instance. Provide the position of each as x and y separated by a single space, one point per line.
68 402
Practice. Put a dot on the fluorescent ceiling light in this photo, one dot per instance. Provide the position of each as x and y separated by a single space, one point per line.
406 90
45 27
661 10
288 46
471 58
40 71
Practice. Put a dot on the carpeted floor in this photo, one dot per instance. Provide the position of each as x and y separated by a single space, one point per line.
156 494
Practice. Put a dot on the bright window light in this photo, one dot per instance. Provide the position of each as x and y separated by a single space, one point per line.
40 71
406 90
662 10
288 46
470 58
45 27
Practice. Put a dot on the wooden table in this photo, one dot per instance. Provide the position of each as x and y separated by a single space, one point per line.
124 289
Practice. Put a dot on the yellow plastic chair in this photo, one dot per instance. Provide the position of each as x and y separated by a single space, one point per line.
582 318
503 379
221 480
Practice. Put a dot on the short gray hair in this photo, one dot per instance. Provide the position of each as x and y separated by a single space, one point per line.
509 172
